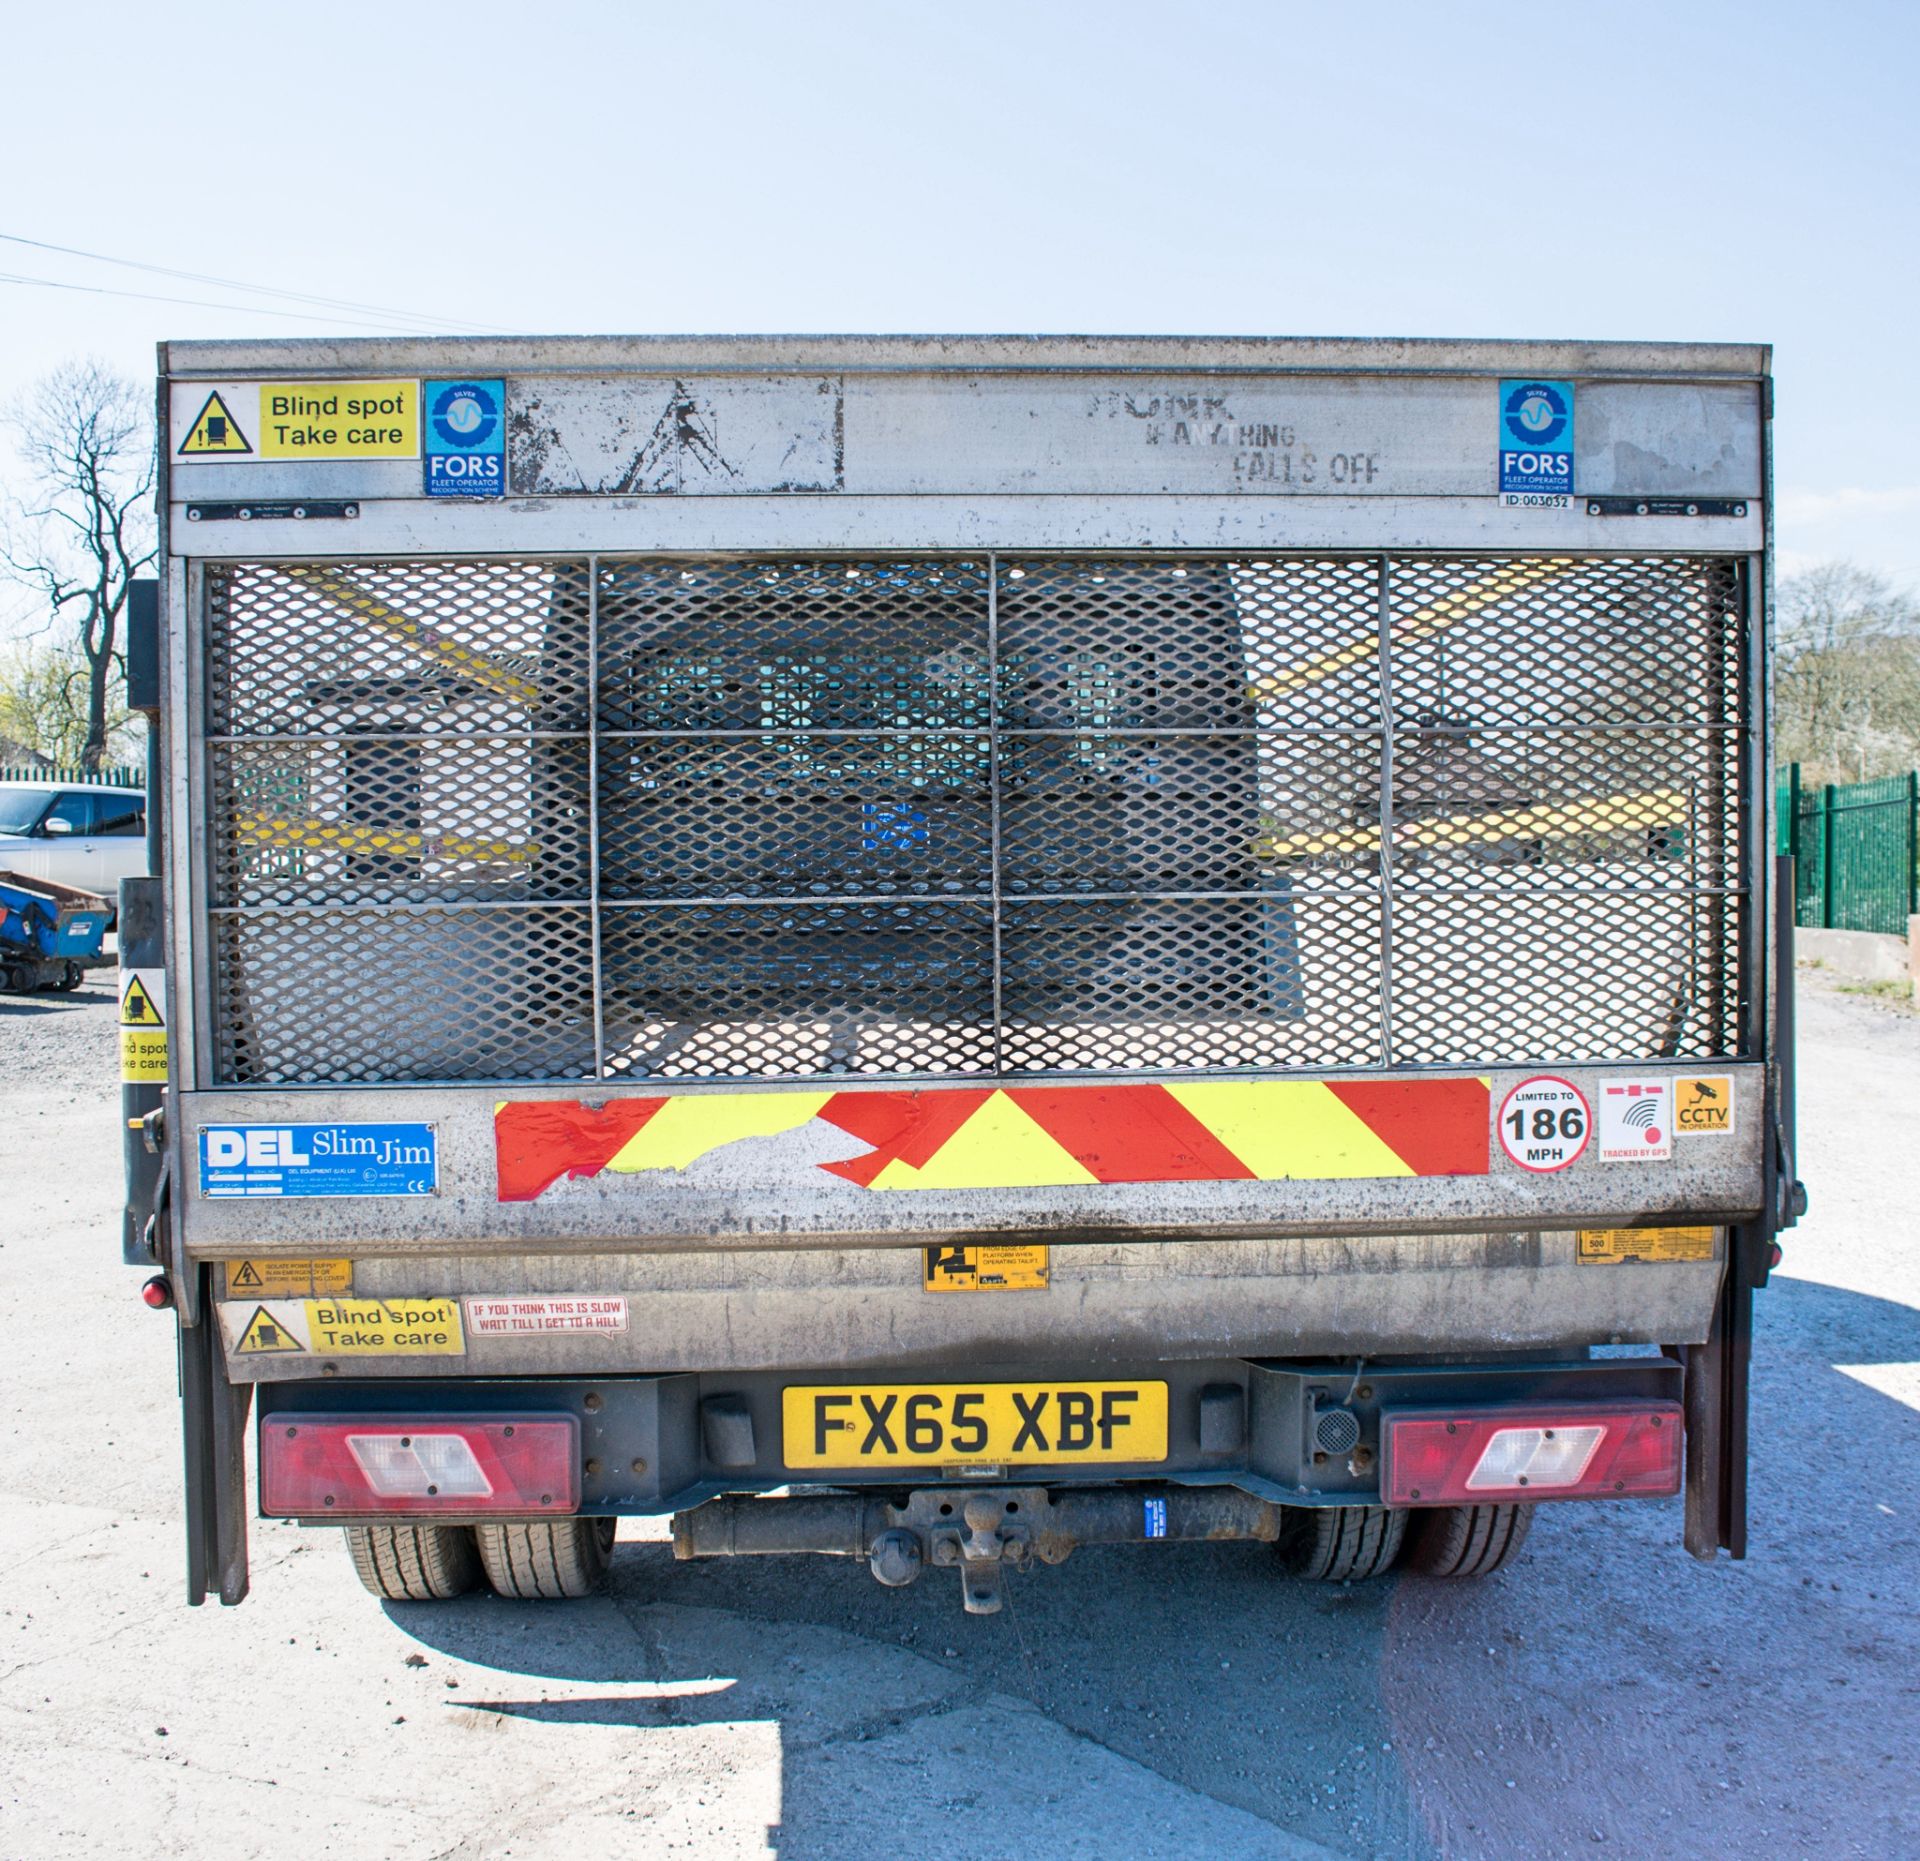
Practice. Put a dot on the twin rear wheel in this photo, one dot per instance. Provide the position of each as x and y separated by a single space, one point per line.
1344 1544
543 1561
555 1558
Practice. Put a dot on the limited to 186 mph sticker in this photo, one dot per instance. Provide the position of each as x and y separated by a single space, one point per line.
1009 1424
1544 1123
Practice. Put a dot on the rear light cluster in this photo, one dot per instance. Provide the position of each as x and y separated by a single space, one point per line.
1477 1457
359 1466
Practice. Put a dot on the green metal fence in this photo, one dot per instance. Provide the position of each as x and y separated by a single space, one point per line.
1856 848
127 777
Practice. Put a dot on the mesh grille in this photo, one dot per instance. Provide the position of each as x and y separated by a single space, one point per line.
768 819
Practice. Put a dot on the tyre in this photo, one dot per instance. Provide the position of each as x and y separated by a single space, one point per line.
548 1559
1466 1541
1341 1544
414 1563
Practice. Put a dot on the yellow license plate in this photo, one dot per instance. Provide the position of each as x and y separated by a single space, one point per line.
967 1424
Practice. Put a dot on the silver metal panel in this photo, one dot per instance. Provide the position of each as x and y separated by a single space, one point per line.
858 525
634 436
748 1193
1108 1303
1693 441
291 478
370 357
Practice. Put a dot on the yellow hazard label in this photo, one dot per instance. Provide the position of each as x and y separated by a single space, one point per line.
1703 1107
288 1279
143 1057
215 432
345 1327
143 1027
961 1268
141 999
339 419
263 1335
1610 1246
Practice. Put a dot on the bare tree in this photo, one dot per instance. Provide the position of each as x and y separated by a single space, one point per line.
1847 683
82 526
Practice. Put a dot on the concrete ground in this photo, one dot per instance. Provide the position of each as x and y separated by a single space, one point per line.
1606 1696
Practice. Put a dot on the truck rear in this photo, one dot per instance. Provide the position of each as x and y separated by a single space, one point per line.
936 950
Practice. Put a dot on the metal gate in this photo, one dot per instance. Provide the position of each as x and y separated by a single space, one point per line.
745 819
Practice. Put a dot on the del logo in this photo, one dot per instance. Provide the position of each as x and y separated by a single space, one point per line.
466 449
1536 436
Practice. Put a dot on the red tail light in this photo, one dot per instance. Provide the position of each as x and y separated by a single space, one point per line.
359 1466
1574 1451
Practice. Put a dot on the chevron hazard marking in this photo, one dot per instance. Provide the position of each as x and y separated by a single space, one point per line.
1025 1137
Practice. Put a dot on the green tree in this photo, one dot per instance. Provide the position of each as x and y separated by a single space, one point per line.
1847 674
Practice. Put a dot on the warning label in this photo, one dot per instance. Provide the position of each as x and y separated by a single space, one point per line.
340 420
346 1327
958 1268
143 1027
214 432
588 1312
264 1336
1636 1124
1610 1246
1703 1107
288 1279
255 422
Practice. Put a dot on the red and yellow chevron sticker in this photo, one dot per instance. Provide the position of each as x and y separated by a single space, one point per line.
1026 1137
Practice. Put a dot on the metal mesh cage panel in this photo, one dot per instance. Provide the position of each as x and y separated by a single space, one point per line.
753 819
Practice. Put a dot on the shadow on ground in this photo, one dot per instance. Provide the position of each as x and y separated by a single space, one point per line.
1605 1691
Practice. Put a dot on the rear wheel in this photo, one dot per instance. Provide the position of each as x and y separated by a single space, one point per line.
548 1559
1341 1544
1466 1541
414 1563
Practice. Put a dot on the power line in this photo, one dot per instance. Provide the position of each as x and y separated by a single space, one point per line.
201 303
235 284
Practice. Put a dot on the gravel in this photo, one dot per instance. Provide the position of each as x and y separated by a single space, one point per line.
1607 1694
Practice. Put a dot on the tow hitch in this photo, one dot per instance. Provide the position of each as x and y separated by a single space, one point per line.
977 1530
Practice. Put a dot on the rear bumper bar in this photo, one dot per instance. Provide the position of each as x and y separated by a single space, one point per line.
1281 1433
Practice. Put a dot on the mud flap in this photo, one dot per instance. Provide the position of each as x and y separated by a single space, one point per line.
213 1418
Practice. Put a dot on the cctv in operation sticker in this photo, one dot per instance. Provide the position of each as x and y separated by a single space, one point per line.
1545 1123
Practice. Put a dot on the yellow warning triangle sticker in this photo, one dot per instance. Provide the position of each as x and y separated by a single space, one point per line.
265 1335
246 1274
214 430
137 1007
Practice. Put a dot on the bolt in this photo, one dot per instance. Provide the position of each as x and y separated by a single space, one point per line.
591 1400
639 1465
1415 1494
591 1468
329 1369
508 1429
1364 1392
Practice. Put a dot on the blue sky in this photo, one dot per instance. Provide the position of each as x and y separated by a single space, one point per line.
1703 171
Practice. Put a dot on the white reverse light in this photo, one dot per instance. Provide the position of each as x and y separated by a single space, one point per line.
419 1466
1516 1457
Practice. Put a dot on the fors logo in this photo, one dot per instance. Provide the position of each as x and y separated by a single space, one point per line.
1536 414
